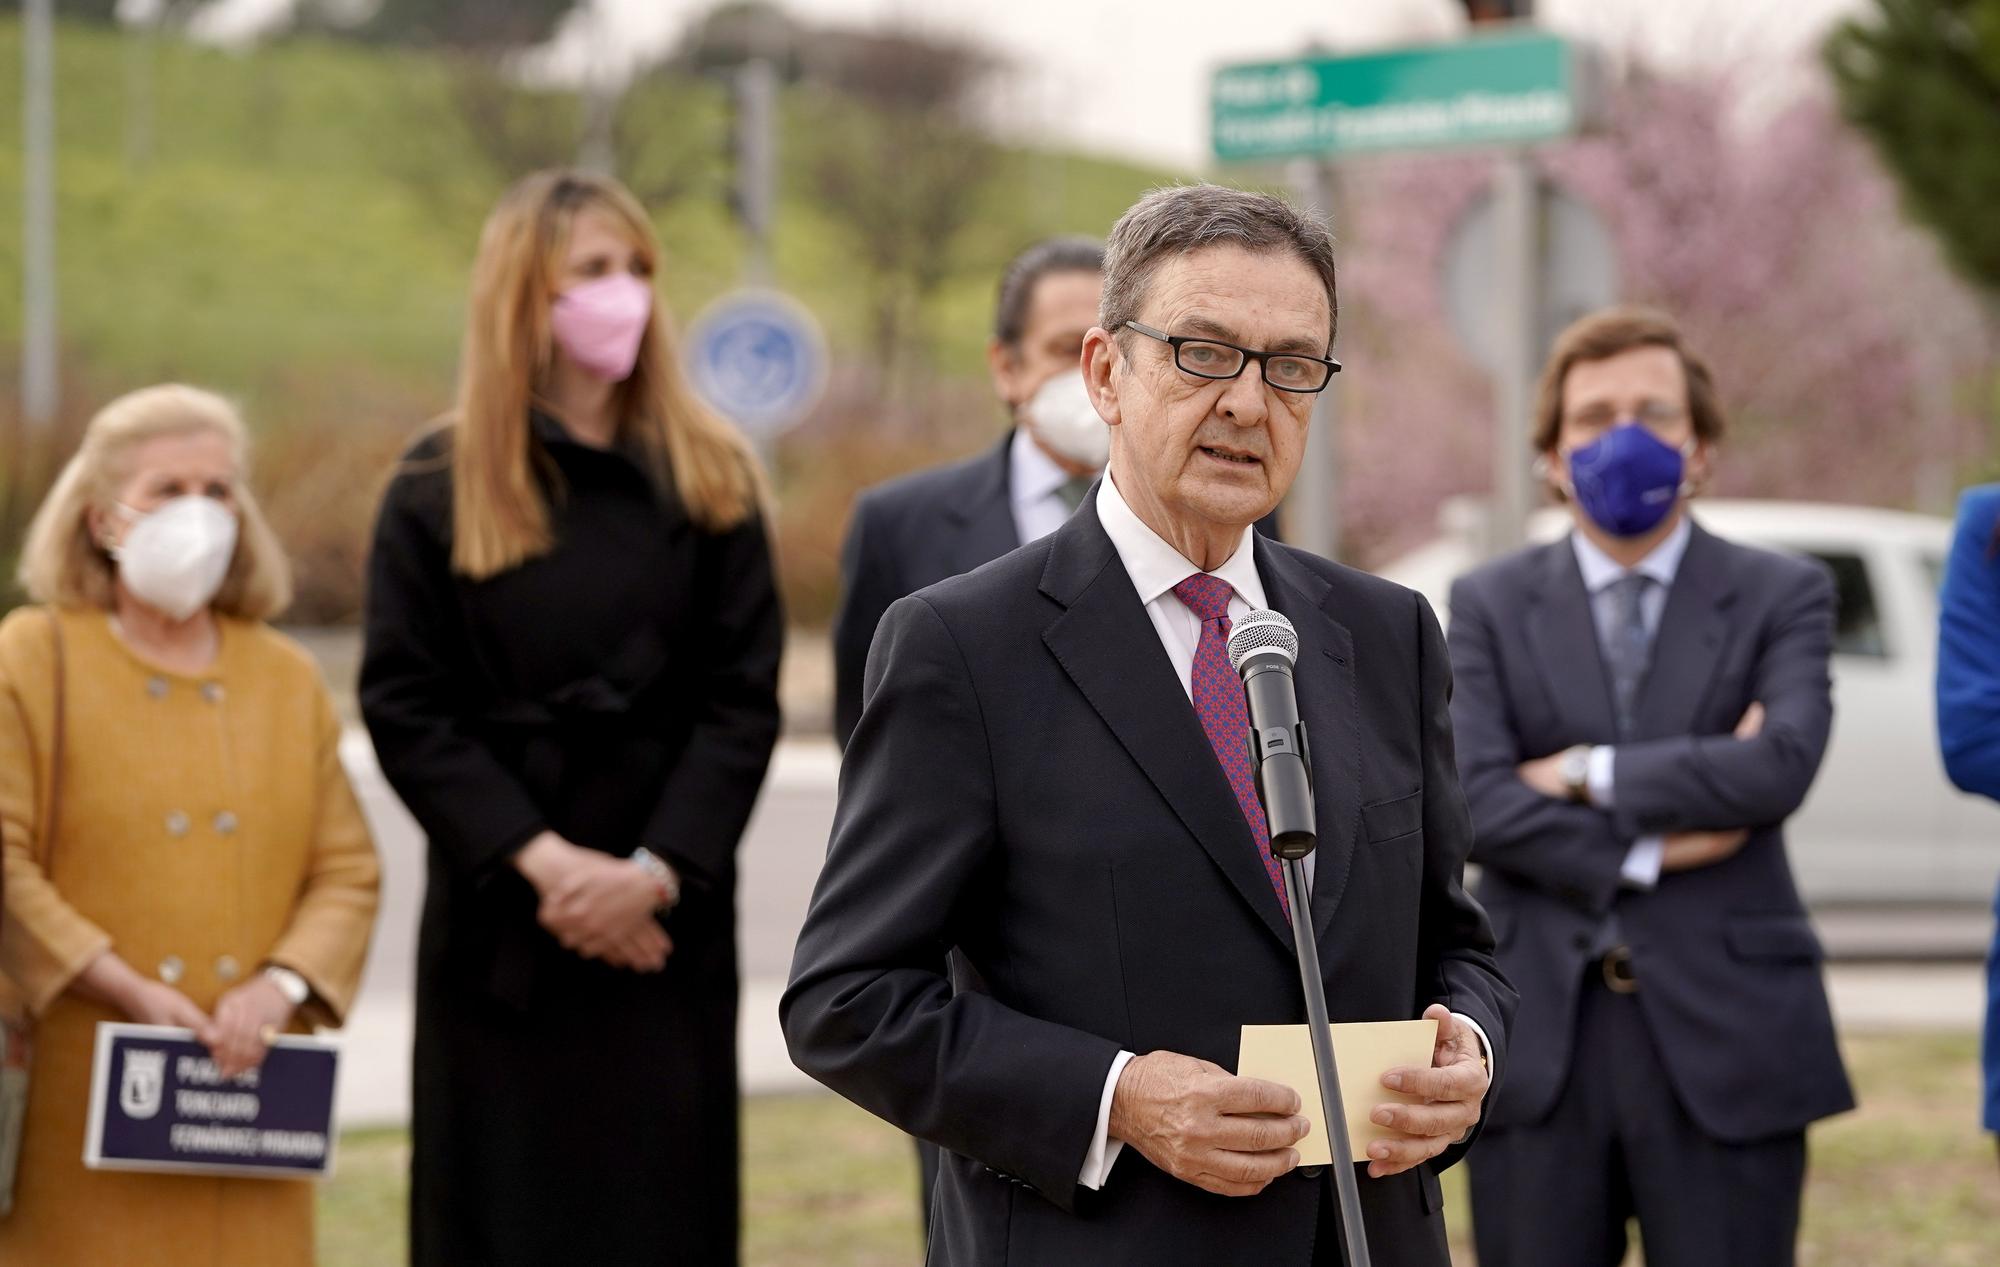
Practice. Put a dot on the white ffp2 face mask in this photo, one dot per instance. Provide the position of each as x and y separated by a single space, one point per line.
1061 416
174 558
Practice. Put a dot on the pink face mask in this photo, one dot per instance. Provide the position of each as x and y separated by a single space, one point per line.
600 323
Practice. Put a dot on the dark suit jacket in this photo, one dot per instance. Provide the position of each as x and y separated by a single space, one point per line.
1729 967
914 531
1029 784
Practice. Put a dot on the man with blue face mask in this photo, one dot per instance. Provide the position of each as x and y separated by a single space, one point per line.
1639 707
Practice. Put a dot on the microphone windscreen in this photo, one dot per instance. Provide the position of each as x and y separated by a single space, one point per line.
1259 630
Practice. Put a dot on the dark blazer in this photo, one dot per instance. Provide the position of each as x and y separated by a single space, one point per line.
1029 785
914 531
908 533
1728 963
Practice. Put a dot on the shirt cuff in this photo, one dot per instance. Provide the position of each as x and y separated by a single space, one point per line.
1642 863
1485 1043
1599 777
1486 1053
1103 1149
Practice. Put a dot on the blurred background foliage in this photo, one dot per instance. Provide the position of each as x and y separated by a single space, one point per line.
1922 79
293 223
299 227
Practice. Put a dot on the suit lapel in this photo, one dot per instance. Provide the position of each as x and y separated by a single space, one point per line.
1563 636
1327 704
1691 633
1107 645
984 520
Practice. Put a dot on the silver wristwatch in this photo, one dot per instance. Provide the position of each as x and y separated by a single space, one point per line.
662 875
1576 773
289 983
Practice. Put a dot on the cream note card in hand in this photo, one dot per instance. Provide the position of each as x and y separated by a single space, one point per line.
1363 1051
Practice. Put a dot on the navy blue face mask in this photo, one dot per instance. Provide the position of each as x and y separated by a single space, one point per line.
1627 479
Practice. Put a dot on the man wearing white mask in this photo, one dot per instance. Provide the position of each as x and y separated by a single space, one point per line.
920 528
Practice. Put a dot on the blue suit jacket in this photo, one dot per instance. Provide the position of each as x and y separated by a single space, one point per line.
1729 966
1968 702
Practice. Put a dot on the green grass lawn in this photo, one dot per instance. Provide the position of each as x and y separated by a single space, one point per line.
309 210
1907 1181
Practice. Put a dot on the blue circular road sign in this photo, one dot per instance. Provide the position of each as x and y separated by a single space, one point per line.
758 357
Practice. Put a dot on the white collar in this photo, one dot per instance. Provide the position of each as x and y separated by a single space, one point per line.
1156 567
1662 563
1031 473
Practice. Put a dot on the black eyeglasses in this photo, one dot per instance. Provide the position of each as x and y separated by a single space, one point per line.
1212 358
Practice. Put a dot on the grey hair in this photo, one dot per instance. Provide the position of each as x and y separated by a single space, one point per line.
1182 218
1026 270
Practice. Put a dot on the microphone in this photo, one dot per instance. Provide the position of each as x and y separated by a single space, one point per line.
1262 649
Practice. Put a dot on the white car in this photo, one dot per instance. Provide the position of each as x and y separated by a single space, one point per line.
1882 823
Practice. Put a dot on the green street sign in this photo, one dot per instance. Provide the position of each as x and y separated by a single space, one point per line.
1508 89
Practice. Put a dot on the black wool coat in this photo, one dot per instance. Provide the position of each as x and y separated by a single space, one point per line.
620 690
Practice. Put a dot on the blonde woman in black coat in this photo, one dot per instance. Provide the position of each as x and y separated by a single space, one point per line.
571 679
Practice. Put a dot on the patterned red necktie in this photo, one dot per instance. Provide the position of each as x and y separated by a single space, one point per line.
1218 702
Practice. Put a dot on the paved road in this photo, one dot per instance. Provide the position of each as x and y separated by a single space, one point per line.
781 856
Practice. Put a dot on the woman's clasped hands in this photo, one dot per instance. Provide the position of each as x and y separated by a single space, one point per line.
597 905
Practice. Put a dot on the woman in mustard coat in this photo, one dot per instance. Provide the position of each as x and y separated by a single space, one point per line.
210 868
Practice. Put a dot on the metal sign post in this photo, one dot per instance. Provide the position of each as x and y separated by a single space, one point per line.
1517 194
1310 520
38 215
1573 266
756 191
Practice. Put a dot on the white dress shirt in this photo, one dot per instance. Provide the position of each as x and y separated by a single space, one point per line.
1034 488
1155 568
1600 573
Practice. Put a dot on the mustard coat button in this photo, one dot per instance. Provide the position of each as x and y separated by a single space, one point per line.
225 823
171 969
226 968
177 824
212 692
156 687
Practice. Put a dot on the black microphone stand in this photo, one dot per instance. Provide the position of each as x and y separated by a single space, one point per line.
1335 1112
1262 649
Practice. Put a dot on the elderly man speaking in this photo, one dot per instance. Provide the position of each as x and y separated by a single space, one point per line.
1048 776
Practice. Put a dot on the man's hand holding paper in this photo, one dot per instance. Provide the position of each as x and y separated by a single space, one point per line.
1206 1126
1453 1090
1429 1107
